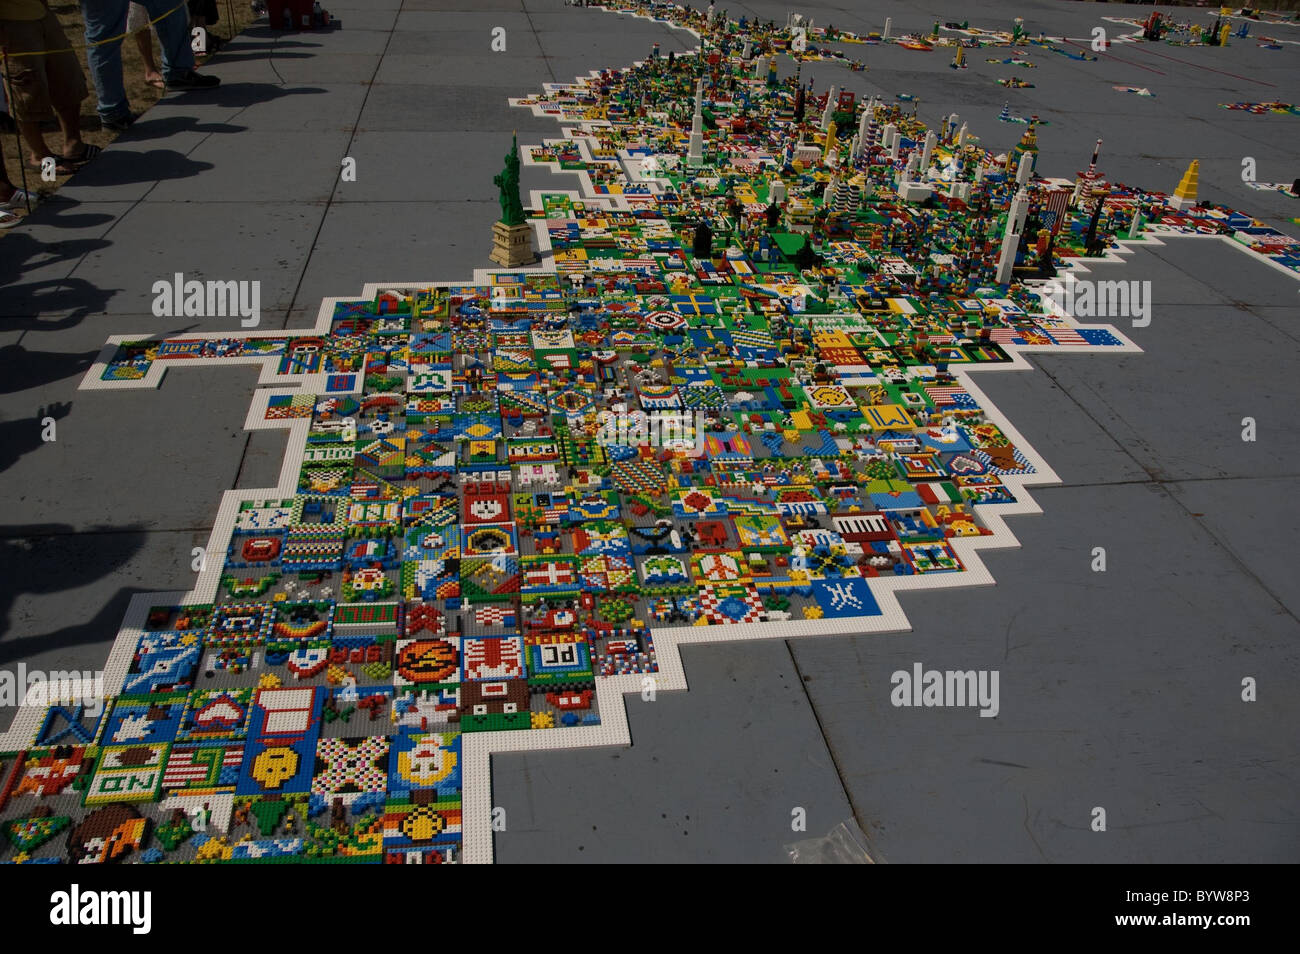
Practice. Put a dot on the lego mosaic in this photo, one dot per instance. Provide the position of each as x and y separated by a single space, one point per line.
735 400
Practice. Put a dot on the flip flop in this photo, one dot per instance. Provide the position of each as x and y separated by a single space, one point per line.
19 200
156 84
88 152
62 167
8 220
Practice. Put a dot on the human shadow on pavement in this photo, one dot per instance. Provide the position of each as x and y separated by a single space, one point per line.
21 252
24 434
227 95
22 369
120 167
156 126
57 212
265 53
51 558
52 296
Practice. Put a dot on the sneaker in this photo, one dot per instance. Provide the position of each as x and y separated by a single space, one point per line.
189 79
118 123
19 200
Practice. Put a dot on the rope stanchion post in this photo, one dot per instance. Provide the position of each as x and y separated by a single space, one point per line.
18 142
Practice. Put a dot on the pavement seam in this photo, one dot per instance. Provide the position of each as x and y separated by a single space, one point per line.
329 203
830 749
1160 482
537 37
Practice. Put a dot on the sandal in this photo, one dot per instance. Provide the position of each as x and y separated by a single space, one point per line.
88 152
67 165
20 200
8 220
62 167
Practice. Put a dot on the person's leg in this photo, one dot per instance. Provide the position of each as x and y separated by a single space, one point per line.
173 36
137 24
70 122
13 198
67 86
104 19
35 140
28 84
144 42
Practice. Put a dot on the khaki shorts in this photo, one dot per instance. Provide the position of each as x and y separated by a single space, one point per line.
37 83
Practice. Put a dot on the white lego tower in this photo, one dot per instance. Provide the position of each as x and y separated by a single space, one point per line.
1026 169
1016 216
927 151
695 150
867 121
829 110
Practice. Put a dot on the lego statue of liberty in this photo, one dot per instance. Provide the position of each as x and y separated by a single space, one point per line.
512 207
511 235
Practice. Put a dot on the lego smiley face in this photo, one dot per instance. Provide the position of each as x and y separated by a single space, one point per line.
429 762
428 661
487 510
275 766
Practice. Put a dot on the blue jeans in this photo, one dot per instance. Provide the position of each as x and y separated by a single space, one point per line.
106 18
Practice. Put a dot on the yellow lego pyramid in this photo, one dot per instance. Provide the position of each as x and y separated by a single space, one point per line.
1184 196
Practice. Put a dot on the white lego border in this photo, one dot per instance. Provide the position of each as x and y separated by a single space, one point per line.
478 747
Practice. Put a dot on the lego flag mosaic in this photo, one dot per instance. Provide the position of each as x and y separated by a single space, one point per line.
736 400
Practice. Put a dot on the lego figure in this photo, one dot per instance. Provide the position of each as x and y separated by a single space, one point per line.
512 207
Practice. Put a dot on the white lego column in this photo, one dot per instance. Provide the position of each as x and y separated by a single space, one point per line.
889 25
961 136
830 109
1025 170
865 122
1016 216
695 150
927 151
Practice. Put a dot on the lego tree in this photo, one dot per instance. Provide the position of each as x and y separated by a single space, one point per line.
882 468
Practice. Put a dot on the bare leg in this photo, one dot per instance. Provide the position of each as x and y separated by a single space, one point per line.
70 123
35 139
144 43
